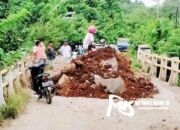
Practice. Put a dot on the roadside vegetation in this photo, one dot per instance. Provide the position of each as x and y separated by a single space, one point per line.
14 105
24 21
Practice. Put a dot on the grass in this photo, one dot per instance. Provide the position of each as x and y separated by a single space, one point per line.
135 65
14 106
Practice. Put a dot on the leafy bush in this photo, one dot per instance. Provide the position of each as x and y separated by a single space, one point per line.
9 111
24 21
14 105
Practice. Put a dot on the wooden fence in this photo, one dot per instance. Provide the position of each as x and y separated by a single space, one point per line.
14 78
162 67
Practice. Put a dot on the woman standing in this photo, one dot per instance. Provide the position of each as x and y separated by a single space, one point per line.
41 54
34 51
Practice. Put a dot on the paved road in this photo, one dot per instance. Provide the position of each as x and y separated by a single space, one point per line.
90 114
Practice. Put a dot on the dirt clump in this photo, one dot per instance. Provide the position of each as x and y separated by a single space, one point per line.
81 78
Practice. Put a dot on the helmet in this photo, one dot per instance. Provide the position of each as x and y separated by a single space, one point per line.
92 29
102 41
65 40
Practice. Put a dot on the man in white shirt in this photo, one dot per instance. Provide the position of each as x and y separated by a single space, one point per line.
65 50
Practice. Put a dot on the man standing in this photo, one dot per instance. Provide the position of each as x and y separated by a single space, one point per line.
65 50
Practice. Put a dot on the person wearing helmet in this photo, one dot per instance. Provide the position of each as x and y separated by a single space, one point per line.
89 38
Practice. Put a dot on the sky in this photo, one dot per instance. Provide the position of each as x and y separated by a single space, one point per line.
150 3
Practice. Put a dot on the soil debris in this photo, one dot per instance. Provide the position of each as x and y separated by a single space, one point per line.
85 67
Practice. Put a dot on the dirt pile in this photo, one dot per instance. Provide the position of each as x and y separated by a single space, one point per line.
81 78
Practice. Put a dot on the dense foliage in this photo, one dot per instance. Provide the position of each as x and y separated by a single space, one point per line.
23 21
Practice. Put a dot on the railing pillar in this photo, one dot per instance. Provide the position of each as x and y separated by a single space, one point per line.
10 80
143 49
27 72
163 71
145 66
153 69
23 70
2 101
173 80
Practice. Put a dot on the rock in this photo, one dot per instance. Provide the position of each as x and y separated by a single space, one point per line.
85 85
63 80
56 76
143 75
112 85
71 67
111 62
56 69
176 128
156 90
103 96
148 87
93 86
164 120
59 63
78 62
62 85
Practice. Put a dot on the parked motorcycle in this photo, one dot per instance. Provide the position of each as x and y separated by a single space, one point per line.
41 82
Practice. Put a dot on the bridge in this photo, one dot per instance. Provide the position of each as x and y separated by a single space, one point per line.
86 113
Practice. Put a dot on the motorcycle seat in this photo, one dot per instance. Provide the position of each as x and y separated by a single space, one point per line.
36 65
43 74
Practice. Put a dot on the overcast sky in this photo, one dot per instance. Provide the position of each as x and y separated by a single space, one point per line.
149 3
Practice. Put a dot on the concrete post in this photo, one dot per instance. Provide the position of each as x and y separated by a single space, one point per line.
2 101
163 71
10 80
145 65
143 49
27 72
23 78
173 80
153 69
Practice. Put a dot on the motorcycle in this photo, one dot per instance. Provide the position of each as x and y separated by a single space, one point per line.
42 84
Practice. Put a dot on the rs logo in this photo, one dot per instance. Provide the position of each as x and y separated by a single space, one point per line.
124 107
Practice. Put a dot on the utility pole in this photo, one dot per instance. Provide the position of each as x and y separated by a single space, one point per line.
176 16
157 8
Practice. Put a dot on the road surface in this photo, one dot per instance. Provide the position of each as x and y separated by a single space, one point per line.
90 114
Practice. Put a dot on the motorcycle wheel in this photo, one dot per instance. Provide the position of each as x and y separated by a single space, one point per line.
48 97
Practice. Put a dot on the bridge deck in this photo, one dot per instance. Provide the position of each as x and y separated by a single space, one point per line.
88 114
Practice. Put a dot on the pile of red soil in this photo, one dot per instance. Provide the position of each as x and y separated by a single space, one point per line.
81 81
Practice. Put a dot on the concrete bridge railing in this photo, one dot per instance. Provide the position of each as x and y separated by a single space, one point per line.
162 67
14 78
